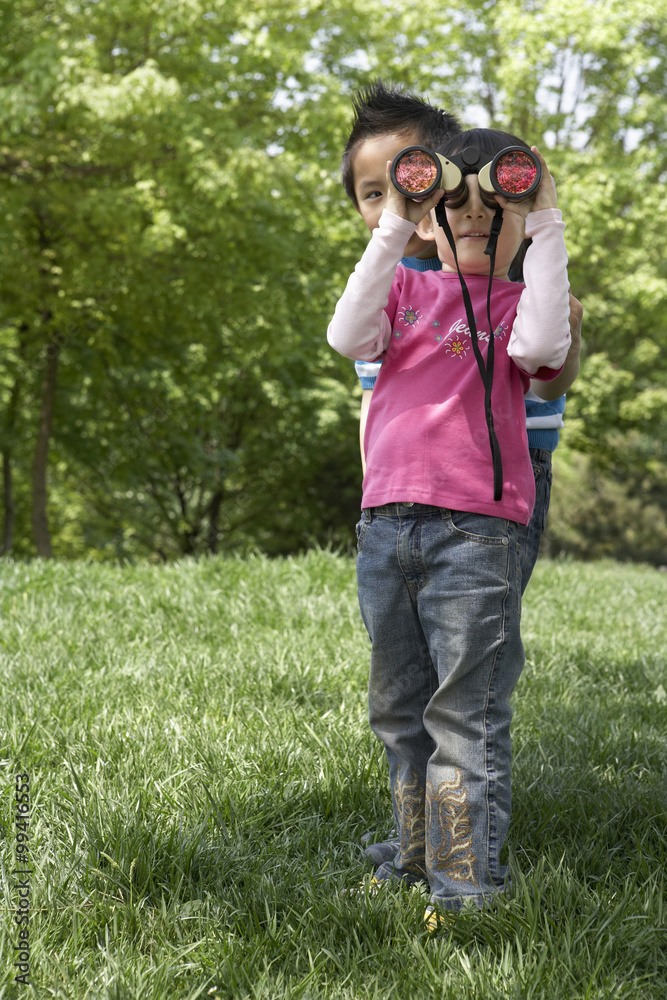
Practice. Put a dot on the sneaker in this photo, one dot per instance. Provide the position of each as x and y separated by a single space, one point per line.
382 850
435 918
367 837
369 886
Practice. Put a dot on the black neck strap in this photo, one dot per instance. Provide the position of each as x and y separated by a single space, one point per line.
485 369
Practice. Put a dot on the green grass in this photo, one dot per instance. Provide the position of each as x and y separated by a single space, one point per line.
202 771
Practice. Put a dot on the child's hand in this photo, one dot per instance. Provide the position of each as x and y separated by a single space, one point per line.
544 197
406 208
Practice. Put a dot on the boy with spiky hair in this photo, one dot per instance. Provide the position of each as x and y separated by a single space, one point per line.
382 110
386 119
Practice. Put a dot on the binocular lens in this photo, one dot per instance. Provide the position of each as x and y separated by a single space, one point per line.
416 171
515 173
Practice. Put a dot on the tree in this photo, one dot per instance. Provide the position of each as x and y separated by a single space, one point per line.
174 237
161 242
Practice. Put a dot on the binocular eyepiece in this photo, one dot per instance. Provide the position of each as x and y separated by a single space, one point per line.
514 172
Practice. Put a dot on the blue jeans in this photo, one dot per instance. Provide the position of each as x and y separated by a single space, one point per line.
439 592
530 535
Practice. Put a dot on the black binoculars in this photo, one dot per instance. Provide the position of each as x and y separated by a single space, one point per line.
515 172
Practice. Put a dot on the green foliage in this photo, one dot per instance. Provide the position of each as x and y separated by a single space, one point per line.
202 770
620 513
174 233
156 240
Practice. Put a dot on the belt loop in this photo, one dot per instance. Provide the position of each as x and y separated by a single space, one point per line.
368 515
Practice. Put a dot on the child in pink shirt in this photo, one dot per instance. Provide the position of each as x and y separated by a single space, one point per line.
438 566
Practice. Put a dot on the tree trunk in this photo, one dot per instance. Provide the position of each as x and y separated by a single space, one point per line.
8 450
7 476
213 520
40 523
8 503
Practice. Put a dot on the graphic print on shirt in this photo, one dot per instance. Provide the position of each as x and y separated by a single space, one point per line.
461 327
409 316
457 342
458 347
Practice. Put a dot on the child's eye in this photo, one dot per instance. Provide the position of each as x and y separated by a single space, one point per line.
373 194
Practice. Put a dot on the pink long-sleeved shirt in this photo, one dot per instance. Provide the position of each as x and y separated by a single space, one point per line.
426 436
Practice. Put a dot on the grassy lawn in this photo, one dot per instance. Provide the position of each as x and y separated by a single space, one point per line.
201 772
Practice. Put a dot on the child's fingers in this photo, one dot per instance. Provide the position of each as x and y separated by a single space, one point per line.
435 198
545 196
409 208
416 210
396 203
546 175
517 207
543 162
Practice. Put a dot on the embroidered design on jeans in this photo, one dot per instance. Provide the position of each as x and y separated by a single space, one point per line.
454 856
409 802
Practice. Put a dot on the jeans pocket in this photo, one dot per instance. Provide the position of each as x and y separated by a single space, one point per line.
543 477
477 527
360 529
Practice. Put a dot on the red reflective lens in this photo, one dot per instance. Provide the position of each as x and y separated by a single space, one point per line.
515 172
416 171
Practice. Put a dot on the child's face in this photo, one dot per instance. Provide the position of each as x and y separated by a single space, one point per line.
470 225
370 184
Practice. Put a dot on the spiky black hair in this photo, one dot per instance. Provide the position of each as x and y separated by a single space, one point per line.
385 109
